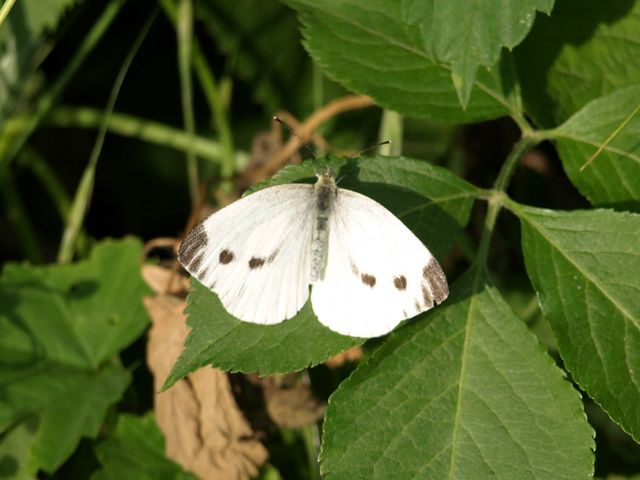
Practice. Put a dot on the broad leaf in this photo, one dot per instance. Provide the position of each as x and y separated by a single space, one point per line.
466 392
136 450
584 50
432 201
58 325
584 266
467 35
613 178
368 47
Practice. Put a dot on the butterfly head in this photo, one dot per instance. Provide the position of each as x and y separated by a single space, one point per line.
326 179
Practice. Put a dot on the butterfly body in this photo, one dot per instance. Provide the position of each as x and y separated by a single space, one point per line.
325 191
368 271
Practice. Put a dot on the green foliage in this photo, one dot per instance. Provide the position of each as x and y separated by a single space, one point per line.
136 450
613 178
365 45
584 266
466 390
467 35
447 396
59 328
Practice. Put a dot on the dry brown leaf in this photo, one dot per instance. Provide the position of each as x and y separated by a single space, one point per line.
164 280
351 355
205 431
290 402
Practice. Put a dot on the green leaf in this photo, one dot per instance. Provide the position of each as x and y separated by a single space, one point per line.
613 178
432 201
78 315
584 50
466 392
584 266
368 47
136 450
58 325
467 35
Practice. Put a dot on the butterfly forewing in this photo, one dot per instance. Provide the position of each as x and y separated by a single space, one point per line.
378 272
255 253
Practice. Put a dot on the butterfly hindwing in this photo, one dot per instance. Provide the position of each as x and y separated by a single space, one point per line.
255 254
378 272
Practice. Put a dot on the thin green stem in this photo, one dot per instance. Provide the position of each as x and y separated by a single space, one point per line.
134 127
11 141
311 437
213 95
6 8
391 129
85 188
184 33
496 200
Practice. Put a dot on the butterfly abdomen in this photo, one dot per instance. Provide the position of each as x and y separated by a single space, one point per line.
325 199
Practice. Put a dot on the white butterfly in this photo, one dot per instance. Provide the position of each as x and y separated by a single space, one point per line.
260 254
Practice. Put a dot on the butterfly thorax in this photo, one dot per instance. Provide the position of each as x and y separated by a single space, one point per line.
325 198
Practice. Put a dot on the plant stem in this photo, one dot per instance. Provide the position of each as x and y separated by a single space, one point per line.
391 128
12 141
84 191
496 200
134 127
184 33
213 95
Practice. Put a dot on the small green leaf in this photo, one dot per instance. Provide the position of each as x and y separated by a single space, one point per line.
367 46
58 326
613 178
466 392
432 201
584 266
584 50
136 450
467 35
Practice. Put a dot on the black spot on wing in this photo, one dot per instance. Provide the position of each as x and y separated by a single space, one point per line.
226 256
192 248
256 262
435 278
368 280
400 282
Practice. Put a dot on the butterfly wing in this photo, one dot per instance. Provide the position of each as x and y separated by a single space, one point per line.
378 272
255 253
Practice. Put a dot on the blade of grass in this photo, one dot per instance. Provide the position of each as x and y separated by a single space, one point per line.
6 8
85 188
12 141
184 33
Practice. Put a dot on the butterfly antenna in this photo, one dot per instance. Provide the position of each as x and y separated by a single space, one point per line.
358 153
304 144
